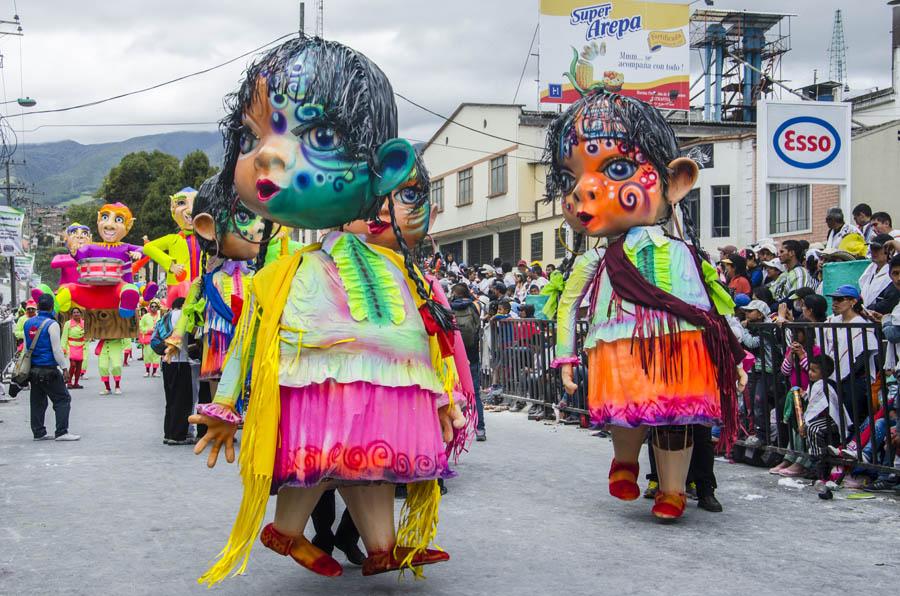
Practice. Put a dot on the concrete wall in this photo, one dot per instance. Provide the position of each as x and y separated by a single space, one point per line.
876 169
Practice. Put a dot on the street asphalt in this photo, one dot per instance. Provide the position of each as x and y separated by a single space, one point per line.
120 513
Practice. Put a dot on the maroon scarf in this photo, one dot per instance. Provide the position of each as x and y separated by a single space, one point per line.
725 351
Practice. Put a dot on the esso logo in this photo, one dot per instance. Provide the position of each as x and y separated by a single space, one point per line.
806 142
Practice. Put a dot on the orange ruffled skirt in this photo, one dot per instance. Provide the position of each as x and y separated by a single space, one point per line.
622 394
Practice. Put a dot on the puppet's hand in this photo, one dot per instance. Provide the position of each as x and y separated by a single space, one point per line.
171 352
176 269
135 255
218 432
565 373
450 418
742 378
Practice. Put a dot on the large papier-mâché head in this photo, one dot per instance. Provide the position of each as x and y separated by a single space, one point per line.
613 162
224 227
310 141
181 205
77 235
413 214
114 220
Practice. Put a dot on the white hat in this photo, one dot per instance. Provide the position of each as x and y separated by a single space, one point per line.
775 264
758 305
769 246
488 269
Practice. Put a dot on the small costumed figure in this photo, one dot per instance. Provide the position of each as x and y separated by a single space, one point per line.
72 341
660 354
342 339
105 279
147 323
111 353
77 235
178 254
230 235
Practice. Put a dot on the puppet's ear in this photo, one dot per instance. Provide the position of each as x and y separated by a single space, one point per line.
432 217
394 165
205 226
683 174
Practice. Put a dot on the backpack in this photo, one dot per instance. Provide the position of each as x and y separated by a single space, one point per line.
469 324
162 330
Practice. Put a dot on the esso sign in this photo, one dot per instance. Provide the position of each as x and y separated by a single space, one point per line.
806 142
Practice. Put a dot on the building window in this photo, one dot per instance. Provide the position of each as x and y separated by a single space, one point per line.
559 249
437 194
498 176
464 188
537 246
480 251
510 246
691 205
788 208
721 211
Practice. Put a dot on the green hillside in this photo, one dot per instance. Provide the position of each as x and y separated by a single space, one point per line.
67 171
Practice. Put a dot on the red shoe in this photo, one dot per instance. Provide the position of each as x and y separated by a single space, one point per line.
623 481
384 561
285 545
669 505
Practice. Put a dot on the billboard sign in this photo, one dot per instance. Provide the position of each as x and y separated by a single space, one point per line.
11 231
805 141
632 47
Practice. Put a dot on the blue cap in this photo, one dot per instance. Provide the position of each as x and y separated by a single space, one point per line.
845 291
741 300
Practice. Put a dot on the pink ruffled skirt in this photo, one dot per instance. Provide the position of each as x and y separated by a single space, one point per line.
358 432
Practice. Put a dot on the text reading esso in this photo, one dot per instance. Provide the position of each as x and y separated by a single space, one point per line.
806 142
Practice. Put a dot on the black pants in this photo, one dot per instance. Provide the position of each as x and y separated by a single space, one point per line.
204 397
702 461
48 383
179 399
323 518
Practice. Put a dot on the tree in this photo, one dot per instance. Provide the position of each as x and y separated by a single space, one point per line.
85 214
155 219
195 169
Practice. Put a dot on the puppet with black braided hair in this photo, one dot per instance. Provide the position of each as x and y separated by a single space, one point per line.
229 236
341 339
660 354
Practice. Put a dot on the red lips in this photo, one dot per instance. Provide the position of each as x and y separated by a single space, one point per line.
266 189
584 217
377 227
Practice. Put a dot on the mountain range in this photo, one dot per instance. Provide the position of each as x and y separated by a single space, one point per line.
66 170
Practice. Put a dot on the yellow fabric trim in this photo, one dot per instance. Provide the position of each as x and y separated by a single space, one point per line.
271 286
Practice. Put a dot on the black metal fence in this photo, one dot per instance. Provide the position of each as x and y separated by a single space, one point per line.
518 354
7 346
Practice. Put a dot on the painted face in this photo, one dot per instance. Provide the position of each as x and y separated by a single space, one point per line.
611 186
292 168
112 226
77 238
182 205
414 222
245 231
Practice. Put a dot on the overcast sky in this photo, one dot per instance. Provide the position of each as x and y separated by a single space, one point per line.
438 53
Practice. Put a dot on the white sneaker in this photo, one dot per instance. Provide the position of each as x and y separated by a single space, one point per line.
104 392
118 391
146 374
68 437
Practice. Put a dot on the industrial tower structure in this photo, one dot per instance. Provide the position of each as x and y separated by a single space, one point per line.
741 55
837 53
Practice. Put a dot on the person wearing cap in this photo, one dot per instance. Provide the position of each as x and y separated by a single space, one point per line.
726 251
838 229
795 275
522 266
761 342
487 278
765 251
773 268
862 216
46 379
851 349
877 292
30 311
736 272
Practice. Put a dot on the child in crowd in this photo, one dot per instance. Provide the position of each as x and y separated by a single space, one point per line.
762 343
822 418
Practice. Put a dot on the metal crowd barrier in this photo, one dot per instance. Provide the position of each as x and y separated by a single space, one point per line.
7 346
518 354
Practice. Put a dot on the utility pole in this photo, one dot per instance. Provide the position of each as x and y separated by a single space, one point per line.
302 17
12 260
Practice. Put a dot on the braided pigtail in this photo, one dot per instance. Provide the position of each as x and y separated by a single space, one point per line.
264 245
441 315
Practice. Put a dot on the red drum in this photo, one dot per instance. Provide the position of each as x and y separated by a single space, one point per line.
100 271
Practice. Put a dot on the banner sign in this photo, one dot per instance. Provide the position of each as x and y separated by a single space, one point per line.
805 141
631 47
24 265
11 231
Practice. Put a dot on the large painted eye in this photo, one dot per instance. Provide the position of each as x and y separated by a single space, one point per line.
249 140
120 219
242 218
567 182
322 138
409 196
104 217
620 169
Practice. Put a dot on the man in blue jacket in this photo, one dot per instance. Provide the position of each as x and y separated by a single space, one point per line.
47 380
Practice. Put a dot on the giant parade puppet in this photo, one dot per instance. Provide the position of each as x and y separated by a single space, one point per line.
659 352
179 253
347 352
230 235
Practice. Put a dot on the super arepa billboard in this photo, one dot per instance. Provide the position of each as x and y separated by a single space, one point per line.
639 49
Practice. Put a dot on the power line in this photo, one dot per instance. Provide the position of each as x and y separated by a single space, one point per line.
115 125
527 57
163 84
